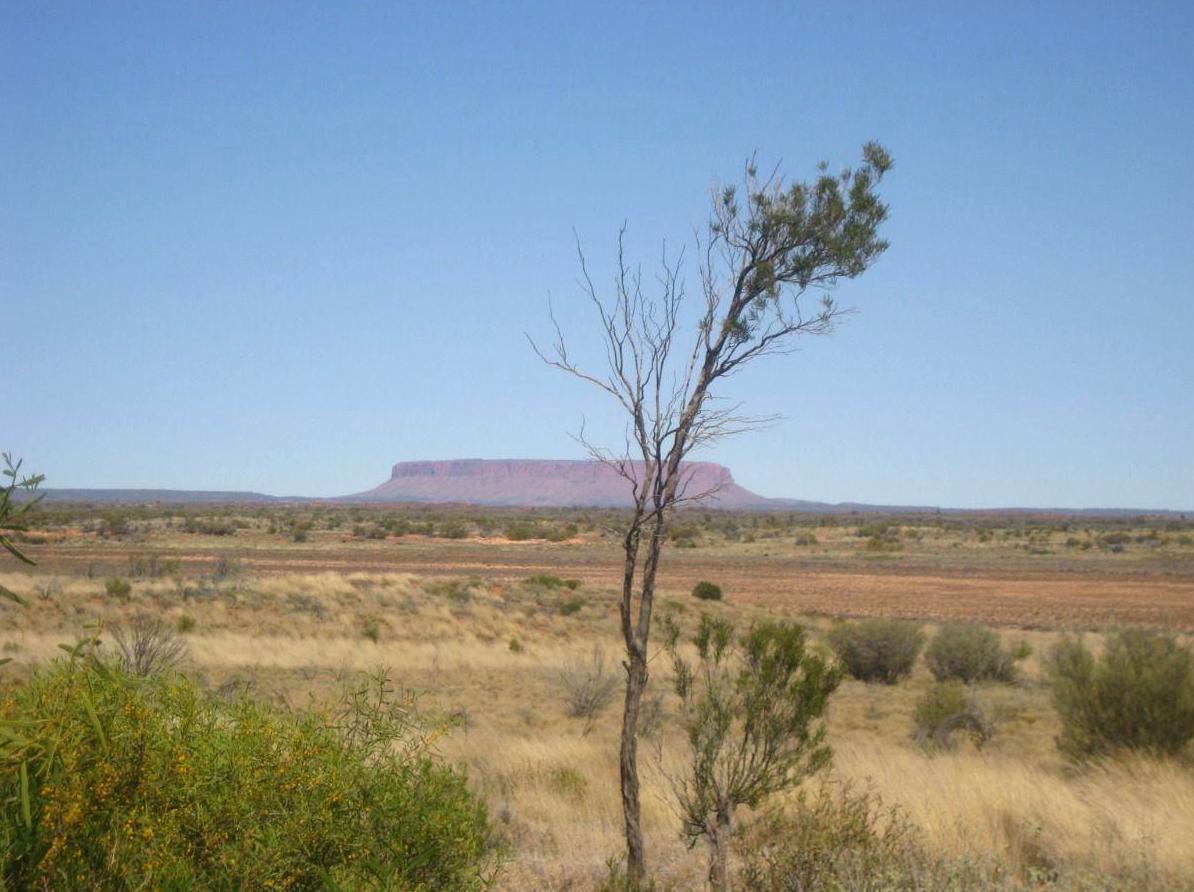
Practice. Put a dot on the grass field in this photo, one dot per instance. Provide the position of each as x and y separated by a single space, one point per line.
286 601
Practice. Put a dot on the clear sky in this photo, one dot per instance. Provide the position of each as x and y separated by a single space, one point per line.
282 246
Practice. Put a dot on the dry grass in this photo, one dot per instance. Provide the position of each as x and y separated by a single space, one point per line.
553 788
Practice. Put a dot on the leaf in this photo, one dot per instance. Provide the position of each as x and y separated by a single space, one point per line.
26 806
95 722
8 546
12 596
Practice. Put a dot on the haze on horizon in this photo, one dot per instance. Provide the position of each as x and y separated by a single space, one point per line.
281 248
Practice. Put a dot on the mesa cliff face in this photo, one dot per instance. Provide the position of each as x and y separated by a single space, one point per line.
541 483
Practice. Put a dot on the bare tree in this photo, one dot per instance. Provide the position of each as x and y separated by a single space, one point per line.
588 687
766 245
148 646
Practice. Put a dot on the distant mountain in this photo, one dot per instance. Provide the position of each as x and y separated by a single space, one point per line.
541 483
154 496
538 483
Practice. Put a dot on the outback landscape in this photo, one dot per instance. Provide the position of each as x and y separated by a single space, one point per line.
614 447
497 619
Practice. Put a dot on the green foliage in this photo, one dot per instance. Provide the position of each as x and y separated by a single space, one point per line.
1138 695
521 532
13 515
561 533
572 606
831 841
706 591
516 646
969 653
750 710
805 539
108 781
185 624
372 630
947 707
118 588
458 591
553 582
883 650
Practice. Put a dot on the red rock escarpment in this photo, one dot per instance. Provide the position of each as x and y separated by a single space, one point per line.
541 483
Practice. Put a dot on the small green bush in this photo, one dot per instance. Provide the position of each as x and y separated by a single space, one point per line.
706 591
553 582
883 650
572 606
805 539
561 533
116 782
830 840
1138 695
372 630
521 532
185 624
516 646
947 707
118 588
969 653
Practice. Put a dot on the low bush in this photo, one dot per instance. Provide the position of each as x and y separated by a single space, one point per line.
947 707
1138 695
572 606
553 582
588 687
706 591
883 650
969 653
147 645
830 840
108 781
118 588
521 532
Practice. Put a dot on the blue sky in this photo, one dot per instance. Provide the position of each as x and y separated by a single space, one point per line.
281 246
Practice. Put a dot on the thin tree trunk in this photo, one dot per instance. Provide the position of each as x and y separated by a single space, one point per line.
636 681
719 841
636 856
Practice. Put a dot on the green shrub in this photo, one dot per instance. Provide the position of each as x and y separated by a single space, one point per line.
806 539
831 840
947 707
185 624
572 606
521 532
453 530
118 588
883 650
372 630
114 782
553 582
969 653
706 591
561 533
516 646
1138 695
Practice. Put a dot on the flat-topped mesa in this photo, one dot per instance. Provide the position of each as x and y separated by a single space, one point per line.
545 483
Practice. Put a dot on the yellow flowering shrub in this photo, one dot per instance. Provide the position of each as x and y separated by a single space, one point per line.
116 782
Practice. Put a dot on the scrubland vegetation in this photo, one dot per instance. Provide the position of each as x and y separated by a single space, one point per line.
1048 750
